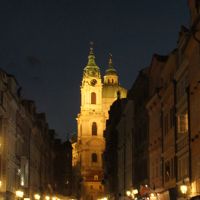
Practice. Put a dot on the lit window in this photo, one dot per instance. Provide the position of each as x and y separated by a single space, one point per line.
183 123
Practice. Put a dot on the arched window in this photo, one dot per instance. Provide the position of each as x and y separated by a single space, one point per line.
93 98
94 157
94 128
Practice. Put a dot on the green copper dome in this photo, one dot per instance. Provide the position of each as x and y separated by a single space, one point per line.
91 68
111 70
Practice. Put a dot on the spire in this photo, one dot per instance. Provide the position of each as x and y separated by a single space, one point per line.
91 57
110 70
91 69
110 62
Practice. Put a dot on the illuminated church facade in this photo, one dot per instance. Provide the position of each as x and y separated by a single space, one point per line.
97 96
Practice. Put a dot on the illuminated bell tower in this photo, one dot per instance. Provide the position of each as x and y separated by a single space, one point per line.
91 123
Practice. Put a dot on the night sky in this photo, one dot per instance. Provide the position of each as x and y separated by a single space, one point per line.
45 44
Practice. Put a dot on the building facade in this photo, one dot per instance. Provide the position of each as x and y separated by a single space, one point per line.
26 145
96 98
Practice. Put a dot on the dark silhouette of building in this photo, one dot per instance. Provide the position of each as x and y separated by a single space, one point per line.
111 155
139 94
63 167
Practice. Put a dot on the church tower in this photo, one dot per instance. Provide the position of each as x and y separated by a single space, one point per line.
91 124
96 99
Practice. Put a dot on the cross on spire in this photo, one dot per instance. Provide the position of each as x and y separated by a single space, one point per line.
91 47
110 63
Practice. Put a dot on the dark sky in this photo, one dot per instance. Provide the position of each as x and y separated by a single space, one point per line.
45 44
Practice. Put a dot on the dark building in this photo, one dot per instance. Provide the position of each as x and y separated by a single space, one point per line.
111 153
63 167
139 94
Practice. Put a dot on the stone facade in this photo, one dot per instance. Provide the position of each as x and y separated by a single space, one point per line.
96 98
26 144
165 122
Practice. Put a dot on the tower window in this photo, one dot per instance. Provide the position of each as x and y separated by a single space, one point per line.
93 98
94 128
94 157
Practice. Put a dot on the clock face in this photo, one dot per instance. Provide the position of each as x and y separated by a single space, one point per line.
93 82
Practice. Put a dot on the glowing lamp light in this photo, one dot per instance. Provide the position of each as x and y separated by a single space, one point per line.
53 198
128 193
183 189
37 196
47 198
19 193
135 191
152 195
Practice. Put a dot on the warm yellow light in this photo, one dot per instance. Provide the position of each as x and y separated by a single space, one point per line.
19 193
53 198
0 184
152 195
26 198
37 196
183 189
135 191
47 197
128 193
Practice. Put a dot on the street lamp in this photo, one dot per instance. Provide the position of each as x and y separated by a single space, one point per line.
128 193
19 194
183 188
37 196
153 196
135 191
47 198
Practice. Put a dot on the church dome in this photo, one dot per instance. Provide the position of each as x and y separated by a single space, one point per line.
110 77
112 91
110 70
